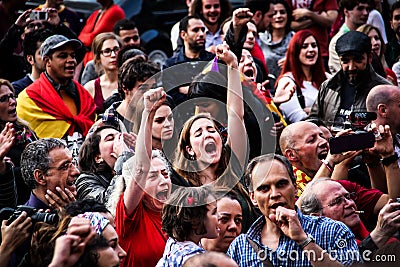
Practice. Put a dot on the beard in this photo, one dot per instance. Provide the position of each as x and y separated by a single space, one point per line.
359 76
196 47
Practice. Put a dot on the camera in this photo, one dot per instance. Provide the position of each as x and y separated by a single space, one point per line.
38 15
359 120
11 215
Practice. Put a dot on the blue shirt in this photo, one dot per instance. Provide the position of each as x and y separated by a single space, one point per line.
332 236
176 253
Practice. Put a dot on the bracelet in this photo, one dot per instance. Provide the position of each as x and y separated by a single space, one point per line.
327 165
389 160
306 241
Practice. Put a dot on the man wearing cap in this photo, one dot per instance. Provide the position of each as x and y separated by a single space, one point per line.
55 105
347 90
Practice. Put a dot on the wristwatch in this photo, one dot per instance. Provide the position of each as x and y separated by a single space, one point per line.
306 241
389 160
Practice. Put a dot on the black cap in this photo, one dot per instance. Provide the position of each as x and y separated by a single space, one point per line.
353 42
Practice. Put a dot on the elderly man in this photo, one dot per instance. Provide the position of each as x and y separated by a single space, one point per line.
304 146
347 90
283 236
55 105
384 100
325 197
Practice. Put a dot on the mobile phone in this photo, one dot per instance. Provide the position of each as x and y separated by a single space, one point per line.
351 142
38 15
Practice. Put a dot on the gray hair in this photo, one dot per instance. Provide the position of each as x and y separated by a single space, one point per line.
308 201
122 181
36 157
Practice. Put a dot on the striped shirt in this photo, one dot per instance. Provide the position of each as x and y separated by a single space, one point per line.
332 236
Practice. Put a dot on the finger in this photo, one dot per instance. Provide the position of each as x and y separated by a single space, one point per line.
62 194
20 219
70 194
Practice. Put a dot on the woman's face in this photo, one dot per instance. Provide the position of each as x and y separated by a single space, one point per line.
109 61
205 142
8 104
229 221
309 52
117 252
106 146
107 258
375 41
158 185
163 123
207 105
279 20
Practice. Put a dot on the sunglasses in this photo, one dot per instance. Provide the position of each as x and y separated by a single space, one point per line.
6 98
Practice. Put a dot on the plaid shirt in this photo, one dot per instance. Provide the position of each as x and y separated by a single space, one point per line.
332 236
176 253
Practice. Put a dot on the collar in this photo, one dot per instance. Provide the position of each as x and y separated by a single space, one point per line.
69 87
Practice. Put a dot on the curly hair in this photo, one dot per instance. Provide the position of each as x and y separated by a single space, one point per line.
186 210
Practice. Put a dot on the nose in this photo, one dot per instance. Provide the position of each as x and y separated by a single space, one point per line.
275 193
121 252
74 171
232 227
352 65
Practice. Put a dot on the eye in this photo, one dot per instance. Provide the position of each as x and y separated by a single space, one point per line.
238 221
159 120
224 219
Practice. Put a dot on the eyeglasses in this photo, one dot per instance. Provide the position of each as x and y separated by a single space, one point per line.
65 166
339 200
35 25
6 98
129 38
107 52
145 86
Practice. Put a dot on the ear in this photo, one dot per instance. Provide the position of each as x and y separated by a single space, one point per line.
30 59
253 200
291 155
382 110
39 177
98 159
257 17
182 34
189 150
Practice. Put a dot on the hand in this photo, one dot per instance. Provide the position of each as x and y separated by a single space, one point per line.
288 222
54 18
300 13
70 247
124 142
23 18
16 233
384 146
277 129
61 199
281 62
284 93
225 54
153 99
344 158
241 16
388 222
7 137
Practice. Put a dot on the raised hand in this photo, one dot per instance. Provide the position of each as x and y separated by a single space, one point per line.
224 53
288 222
153 99
241 16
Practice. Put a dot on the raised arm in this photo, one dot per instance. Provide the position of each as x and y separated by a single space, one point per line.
141 165
234 103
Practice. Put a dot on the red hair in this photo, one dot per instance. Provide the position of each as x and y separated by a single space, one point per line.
293 64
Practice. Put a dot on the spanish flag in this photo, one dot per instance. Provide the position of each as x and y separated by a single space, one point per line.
47 114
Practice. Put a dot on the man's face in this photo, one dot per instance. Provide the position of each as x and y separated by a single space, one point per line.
395 22
61 65
250 37
272 187
266 20
310 147
337 203
247 65
359 14
38 61
211 11
130 37
62 172
195 35
393 111
354 67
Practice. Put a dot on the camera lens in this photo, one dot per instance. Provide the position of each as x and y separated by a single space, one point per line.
50 218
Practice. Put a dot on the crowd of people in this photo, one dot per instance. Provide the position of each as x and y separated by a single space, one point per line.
219 157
